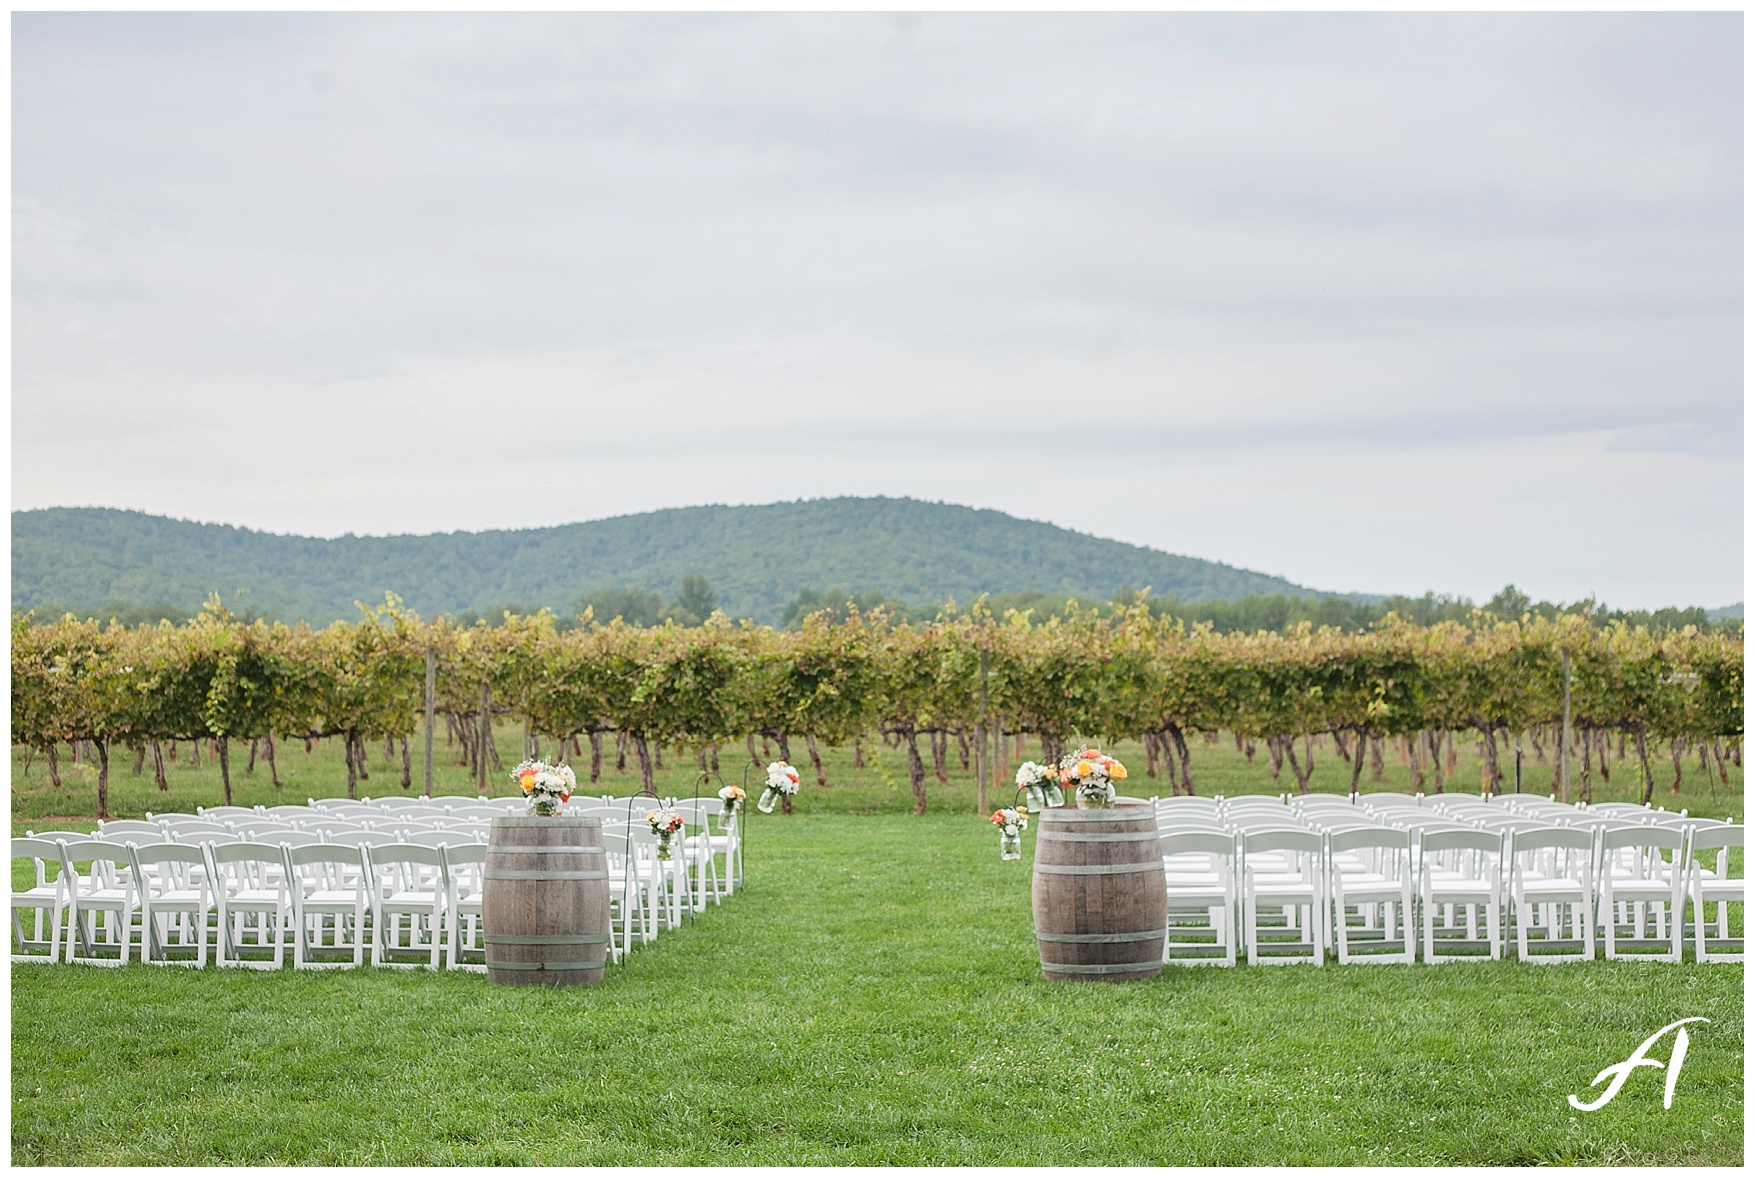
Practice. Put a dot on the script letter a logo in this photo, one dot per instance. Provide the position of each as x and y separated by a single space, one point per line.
1624 1069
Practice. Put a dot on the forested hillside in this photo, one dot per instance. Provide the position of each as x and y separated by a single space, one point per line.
757 559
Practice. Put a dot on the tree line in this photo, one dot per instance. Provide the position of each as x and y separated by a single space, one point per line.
845 675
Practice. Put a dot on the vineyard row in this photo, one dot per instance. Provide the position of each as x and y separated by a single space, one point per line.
1075 678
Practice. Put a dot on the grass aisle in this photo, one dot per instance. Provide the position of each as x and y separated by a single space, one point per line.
872 998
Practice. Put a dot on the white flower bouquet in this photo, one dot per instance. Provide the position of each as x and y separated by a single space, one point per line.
546 786
1041 786
782 781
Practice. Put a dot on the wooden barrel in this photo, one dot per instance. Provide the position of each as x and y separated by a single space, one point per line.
1098 894
545 902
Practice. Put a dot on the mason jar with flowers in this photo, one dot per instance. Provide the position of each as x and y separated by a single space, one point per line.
665 823
1041 786
1091 775
1012 824
546 787
782 782
732 797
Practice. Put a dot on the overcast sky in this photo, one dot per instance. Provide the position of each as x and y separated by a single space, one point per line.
1382 303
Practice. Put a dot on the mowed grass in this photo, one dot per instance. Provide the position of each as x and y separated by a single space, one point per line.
872 997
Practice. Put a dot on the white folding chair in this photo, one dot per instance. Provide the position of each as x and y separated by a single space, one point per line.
700 852
407 882
108 890
1383 799
1371 869
288 813
1461 868
330 901
197 830
251 888
360 838
436 838
48 895
1633 875
176 897
465 872
1200 885
287 838
1619 809
221 813
1715 885
1186 802
1551 882
120 830
1283 868
1464 806
473 811
633 893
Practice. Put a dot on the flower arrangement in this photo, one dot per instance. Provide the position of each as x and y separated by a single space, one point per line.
1041 786
782 781
732 796
1092 775
1012 824
546 786
665 824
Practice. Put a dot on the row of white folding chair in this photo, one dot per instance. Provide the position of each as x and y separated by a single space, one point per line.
1555 873
701 852
172 889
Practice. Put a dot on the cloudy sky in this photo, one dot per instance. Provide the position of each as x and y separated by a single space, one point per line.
1379 303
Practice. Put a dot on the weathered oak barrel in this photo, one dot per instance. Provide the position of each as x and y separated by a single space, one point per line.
1098 894
545 901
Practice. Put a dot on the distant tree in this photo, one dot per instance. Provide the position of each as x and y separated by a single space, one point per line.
124 612
696 603
1510 603
836 603
636 607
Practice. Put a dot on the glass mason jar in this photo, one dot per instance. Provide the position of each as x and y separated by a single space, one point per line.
1011 845
1095 799
769 799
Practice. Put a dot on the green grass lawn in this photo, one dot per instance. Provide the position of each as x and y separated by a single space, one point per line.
872 997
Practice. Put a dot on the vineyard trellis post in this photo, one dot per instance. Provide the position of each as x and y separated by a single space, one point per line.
982 761
1565 725
487 736
429 703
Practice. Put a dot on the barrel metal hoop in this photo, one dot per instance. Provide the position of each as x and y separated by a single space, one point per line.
497 849
1125 967
1099 938
551 966
543 939
542 875
1119 814
1094 868
1079 836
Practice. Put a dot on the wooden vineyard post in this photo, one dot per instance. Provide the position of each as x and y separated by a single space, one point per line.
487 736
429 766
1566 727
982 760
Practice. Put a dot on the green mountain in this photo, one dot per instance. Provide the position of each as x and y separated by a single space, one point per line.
757 559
